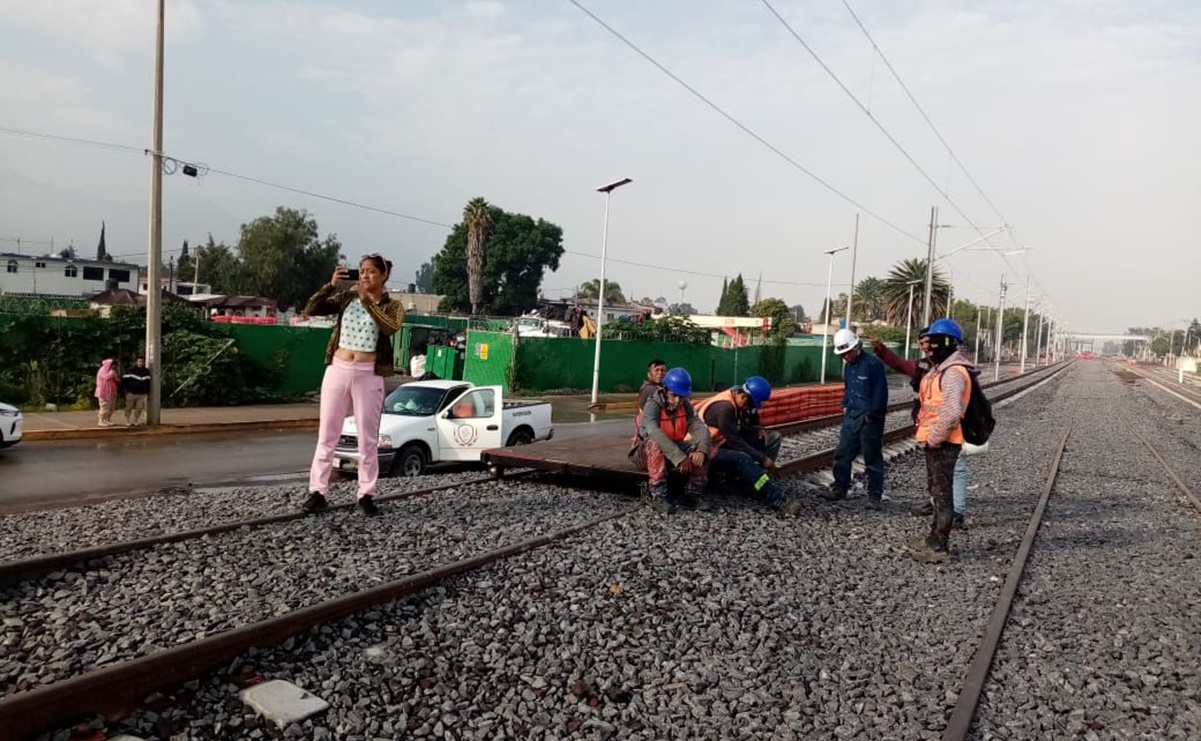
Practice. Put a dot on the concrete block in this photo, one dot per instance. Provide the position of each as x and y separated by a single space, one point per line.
282 702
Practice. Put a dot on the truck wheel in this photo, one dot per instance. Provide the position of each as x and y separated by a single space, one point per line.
410 461
520 436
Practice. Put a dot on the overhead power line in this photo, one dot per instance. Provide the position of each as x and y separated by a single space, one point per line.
674 269
743 127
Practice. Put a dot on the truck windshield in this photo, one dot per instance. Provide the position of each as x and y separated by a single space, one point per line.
413 401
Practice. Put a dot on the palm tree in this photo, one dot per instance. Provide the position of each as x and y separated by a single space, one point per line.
896 292
869 300
477 217
590 289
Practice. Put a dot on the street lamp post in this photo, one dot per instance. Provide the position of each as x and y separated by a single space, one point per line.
600 299
829 307
976 359
1026 324
929 266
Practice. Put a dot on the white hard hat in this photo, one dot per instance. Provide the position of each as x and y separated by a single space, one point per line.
844 341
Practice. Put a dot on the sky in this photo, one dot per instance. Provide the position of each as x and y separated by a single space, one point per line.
1074 120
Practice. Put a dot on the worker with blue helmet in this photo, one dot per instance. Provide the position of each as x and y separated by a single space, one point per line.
738 447
671 435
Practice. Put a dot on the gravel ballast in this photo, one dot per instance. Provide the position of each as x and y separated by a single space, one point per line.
1102 640
175 510
72 622
728 624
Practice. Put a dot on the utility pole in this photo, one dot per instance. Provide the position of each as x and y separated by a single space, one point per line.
854 253
171 273
976 360
929 266
196 276
1038 340
154 265
1026 324
996 371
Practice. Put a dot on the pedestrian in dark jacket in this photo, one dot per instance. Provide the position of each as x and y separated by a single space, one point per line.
864 408
136 382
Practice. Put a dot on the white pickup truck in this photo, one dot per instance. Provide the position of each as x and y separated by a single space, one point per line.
428 422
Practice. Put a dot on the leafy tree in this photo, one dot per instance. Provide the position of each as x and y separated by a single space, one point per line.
782 323
220 268
520 249
723 300
896 292
684 309
185 269
478 219
667 329
735 302
424 280
282 257
590 289
798 313
869 300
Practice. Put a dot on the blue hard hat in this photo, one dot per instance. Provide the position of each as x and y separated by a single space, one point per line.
946 327
759 390
678 382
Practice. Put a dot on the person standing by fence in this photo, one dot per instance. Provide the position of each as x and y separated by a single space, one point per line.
358 357
106 392
137 389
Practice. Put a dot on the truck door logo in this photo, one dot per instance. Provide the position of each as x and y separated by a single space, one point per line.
466 435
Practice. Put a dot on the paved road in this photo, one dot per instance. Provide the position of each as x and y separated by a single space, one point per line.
70 472
58 473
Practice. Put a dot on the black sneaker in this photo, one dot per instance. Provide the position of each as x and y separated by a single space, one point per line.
875 504
693 501
833 494
958 521
367 504
315 503
923 510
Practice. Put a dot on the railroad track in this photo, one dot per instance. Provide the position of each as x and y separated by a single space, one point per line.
114 689
1164 381
960 724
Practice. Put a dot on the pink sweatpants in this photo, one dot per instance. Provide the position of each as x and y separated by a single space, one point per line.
346 384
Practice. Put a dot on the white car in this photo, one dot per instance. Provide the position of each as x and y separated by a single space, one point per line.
428 422
10 425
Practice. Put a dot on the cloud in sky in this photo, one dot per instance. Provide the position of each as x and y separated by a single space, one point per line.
1074 116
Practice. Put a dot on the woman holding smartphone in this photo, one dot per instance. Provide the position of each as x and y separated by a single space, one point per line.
358 357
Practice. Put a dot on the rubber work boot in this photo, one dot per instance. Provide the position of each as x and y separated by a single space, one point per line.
924 553
367 504
834 493
923 510
657 497
315 503
692 500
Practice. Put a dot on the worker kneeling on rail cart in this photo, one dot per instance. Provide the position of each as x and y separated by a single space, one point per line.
671 435
740 446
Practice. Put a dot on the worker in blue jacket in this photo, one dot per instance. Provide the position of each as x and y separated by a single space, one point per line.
864 407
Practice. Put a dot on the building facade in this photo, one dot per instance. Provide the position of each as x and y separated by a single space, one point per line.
47 275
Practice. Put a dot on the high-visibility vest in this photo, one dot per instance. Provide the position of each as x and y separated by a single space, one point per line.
674 424
932 400
704 404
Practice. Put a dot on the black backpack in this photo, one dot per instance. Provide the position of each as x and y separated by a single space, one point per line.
978 422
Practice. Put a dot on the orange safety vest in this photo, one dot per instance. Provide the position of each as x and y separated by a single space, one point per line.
674 424
930 394
705 404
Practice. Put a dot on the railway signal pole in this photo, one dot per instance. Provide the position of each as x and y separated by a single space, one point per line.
154 259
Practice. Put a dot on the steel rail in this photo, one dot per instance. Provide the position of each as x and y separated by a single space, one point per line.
960 723
113 690
15 572
1180 485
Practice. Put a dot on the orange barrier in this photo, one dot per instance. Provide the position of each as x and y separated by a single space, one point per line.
798 404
